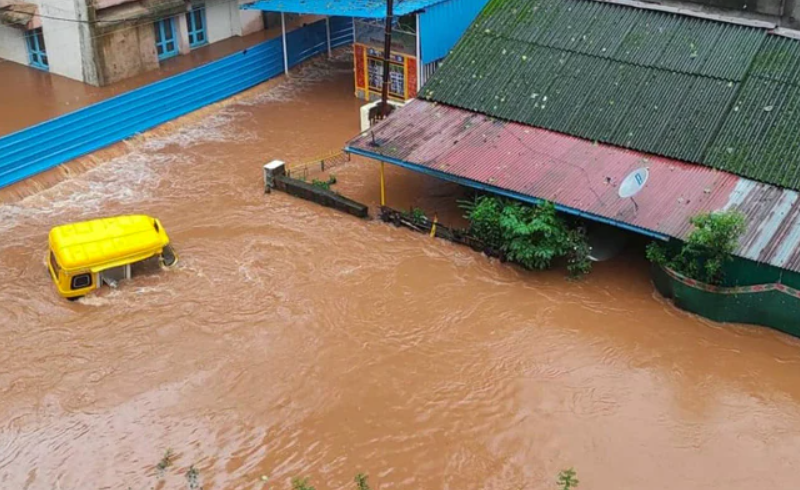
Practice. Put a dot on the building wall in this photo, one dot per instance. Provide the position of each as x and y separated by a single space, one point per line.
66 52
62 38
251 21
223 20
72 44
12 44
128 52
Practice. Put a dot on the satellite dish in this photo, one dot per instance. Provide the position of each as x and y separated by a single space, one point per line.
633 183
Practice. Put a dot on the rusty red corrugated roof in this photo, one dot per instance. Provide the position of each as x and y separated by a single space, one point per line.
584 176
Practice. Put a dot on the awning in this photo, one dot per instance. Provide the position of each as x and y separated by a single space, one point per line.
582 177
375 9
19 15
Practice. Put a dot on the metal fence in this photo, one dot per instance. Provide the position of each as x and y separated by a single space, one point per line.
51 143
302 170
428 70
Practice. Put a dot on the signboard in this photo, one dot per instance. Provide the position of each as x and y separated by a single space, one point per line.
372 34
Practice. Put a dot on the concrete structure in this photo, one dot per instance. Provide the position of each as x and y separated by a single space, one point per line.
785 13
424 32
104 41
526 109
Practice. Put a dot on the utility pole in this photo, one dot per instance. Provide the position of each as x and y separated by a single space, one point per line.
387 50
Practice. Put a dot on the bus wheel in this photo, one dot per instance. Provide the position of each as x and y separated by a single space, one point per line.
168 257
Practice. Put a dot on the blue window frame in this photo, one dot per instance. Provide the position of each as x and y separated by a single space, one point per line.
166 40
37 53
196 23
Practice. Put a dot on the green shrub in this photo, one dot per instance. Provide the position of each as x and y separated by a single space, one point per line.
324 184
707 249
532 236
567 480
301 484
361 482
416 215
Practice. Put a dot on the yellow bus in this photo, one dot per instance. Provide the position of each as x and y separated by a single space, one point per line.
84 256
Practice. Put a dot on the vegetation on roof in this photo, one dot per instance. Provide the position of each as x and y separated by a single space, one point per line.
724 95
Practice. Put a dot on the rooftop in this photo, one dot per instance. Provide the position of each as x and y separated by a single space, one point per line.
583 177
721 94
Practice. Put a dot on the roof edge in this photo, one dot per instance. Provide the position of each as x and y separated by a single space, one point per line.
530 199
790 33
693 13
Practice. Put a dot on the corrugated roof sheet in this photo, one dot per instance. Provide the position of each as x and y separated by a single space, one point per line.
345 8
761 135
583 176
698 90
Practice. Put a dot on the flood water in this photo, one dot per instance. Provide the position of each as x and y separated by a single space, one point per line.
293 341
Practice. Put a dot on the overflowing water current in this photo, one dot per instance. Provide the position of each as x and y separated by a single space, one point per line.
294 341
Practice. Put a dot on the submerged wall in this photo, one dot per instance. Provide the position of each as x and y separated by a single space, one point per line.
773 304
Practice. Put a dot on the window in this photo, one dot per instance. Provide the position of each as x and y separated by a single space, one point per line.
166 42
81 281
196 23
54 265
397 82
37 53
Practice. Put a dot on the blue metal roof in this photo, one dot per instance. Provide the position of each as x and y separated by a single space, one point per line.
375 9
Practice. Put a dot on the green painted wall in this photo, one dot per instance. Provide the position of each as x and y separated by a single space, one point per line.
771 308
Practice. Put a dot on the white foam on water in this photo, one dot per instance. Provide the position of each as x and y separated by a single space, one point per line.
132 177
128 178
124 179
311 73
249 275
214 128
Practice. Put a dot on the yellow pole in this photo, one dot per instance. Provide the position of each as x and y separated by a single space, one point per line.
433 228
383 187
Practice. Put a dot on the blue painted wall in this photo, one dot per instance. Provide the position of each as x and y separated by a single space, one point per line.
49 144
442 25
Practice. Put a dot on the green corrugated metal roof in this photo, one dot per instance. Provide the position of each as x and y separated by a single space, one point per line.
699 90
761 135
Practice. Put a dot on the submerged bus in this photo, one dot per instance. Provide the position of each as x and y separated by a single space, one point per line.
84 256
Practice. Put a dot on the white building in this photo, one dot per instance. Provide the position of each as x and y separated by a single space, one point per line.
104 41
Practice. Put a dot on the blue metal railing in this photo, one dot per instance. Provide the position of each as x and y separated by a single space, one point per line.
56 141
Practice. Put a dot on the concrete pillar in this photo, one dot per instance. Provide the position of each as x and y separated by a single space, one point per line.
273 169
183 34
328 32
285 50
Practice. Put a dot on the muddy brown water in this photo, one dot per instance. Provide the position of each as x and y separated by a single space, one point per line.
293 341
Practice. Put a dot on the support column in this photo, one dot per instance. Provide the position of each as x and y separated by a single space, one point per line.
328 32
383 187
419 57
285 51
